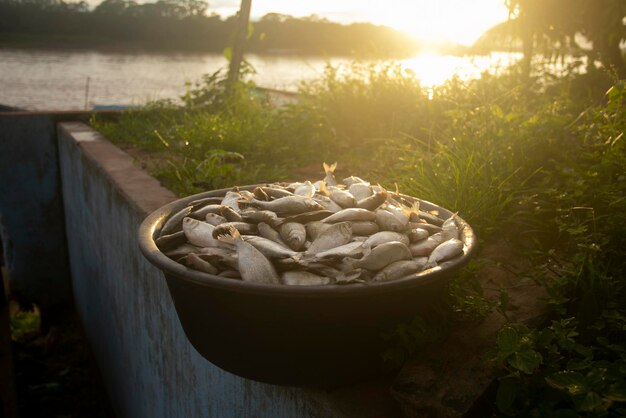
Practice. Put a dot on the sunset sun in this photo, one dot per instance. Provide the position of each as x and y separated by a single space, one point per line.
458 21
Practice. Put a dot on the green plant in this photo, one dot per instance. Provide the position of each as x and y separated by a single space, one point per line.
563 369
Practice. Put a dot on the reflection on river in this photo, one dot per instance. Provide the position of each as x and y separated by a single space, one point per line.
70 80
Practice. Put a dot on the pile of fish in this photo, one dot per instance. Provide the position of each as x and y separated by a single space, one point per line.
307 233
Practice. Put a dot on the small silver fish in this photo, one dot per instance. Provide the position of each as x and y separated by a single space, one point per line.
445 251
421 261
349 181
269 248
268 232
399 212
168 242
351 249
252 265
386 236
230 214
230 274
303 278
305 189
214 219
196 262
334 236
432 229
383 255
430 218
294 234
329 170
426 246
173 224
396 270
305 217
231 199
213 200
390 222
224 257
201 213
364 228
313 229
288 205
243 228
343 198
351 214
374 201
256 216
276 192
327 203
449 229
417 234
199 233
180 251
360 191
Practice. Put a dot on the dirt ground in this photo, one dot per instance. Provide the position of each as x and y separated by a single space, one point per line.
55 374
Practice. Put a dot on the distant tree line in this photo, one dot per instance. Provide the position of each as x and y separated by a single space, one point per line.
189 25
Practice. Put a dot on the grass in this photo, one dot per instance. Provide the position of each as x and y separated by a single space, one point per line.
539 163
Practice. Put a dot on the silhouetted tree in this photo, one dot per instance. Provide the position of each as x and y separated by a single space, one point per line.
554 23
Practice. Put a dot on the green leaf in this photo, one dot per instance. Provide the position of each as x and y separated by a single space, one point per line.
507 392
508 342
572 382
526 361
591 402
616 392
228 53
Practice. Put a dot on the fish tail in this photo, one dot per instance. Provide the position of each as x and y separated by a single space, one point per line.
415 208
330 168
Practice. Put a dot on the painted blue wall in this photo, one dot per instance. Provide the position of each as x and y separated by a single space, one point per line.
147 363
31 208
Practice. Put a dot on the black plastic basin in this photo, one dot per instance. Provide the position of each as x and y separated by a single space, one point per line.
293 335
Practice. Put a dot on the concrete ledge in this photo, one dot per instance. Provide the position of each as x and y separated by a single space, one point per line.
147 363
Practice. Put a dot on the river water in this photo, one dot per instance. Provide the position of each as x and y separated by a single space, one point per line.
74 79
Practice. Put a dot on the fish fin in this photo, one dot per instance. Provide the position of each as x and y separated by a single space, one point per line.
276 223
414 208
297 257
329 168
247 202
383 191
367 248
232 236
323 189
350 276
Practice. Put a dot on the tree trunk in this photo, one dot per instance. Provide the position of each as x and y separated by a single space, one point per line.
611 56
241 32
527 49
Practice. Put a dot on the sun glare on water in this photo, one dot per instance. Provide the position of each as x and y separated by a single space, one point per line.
433 69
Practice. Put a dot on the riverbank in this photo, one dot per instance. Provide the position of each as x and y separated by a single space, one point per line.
103 44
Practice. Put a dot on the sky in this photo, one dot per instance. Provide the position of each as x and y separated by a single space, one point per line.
460 21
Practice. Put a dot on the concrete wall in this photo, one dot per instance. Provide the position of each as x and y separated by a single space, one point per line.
31 208
148 366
